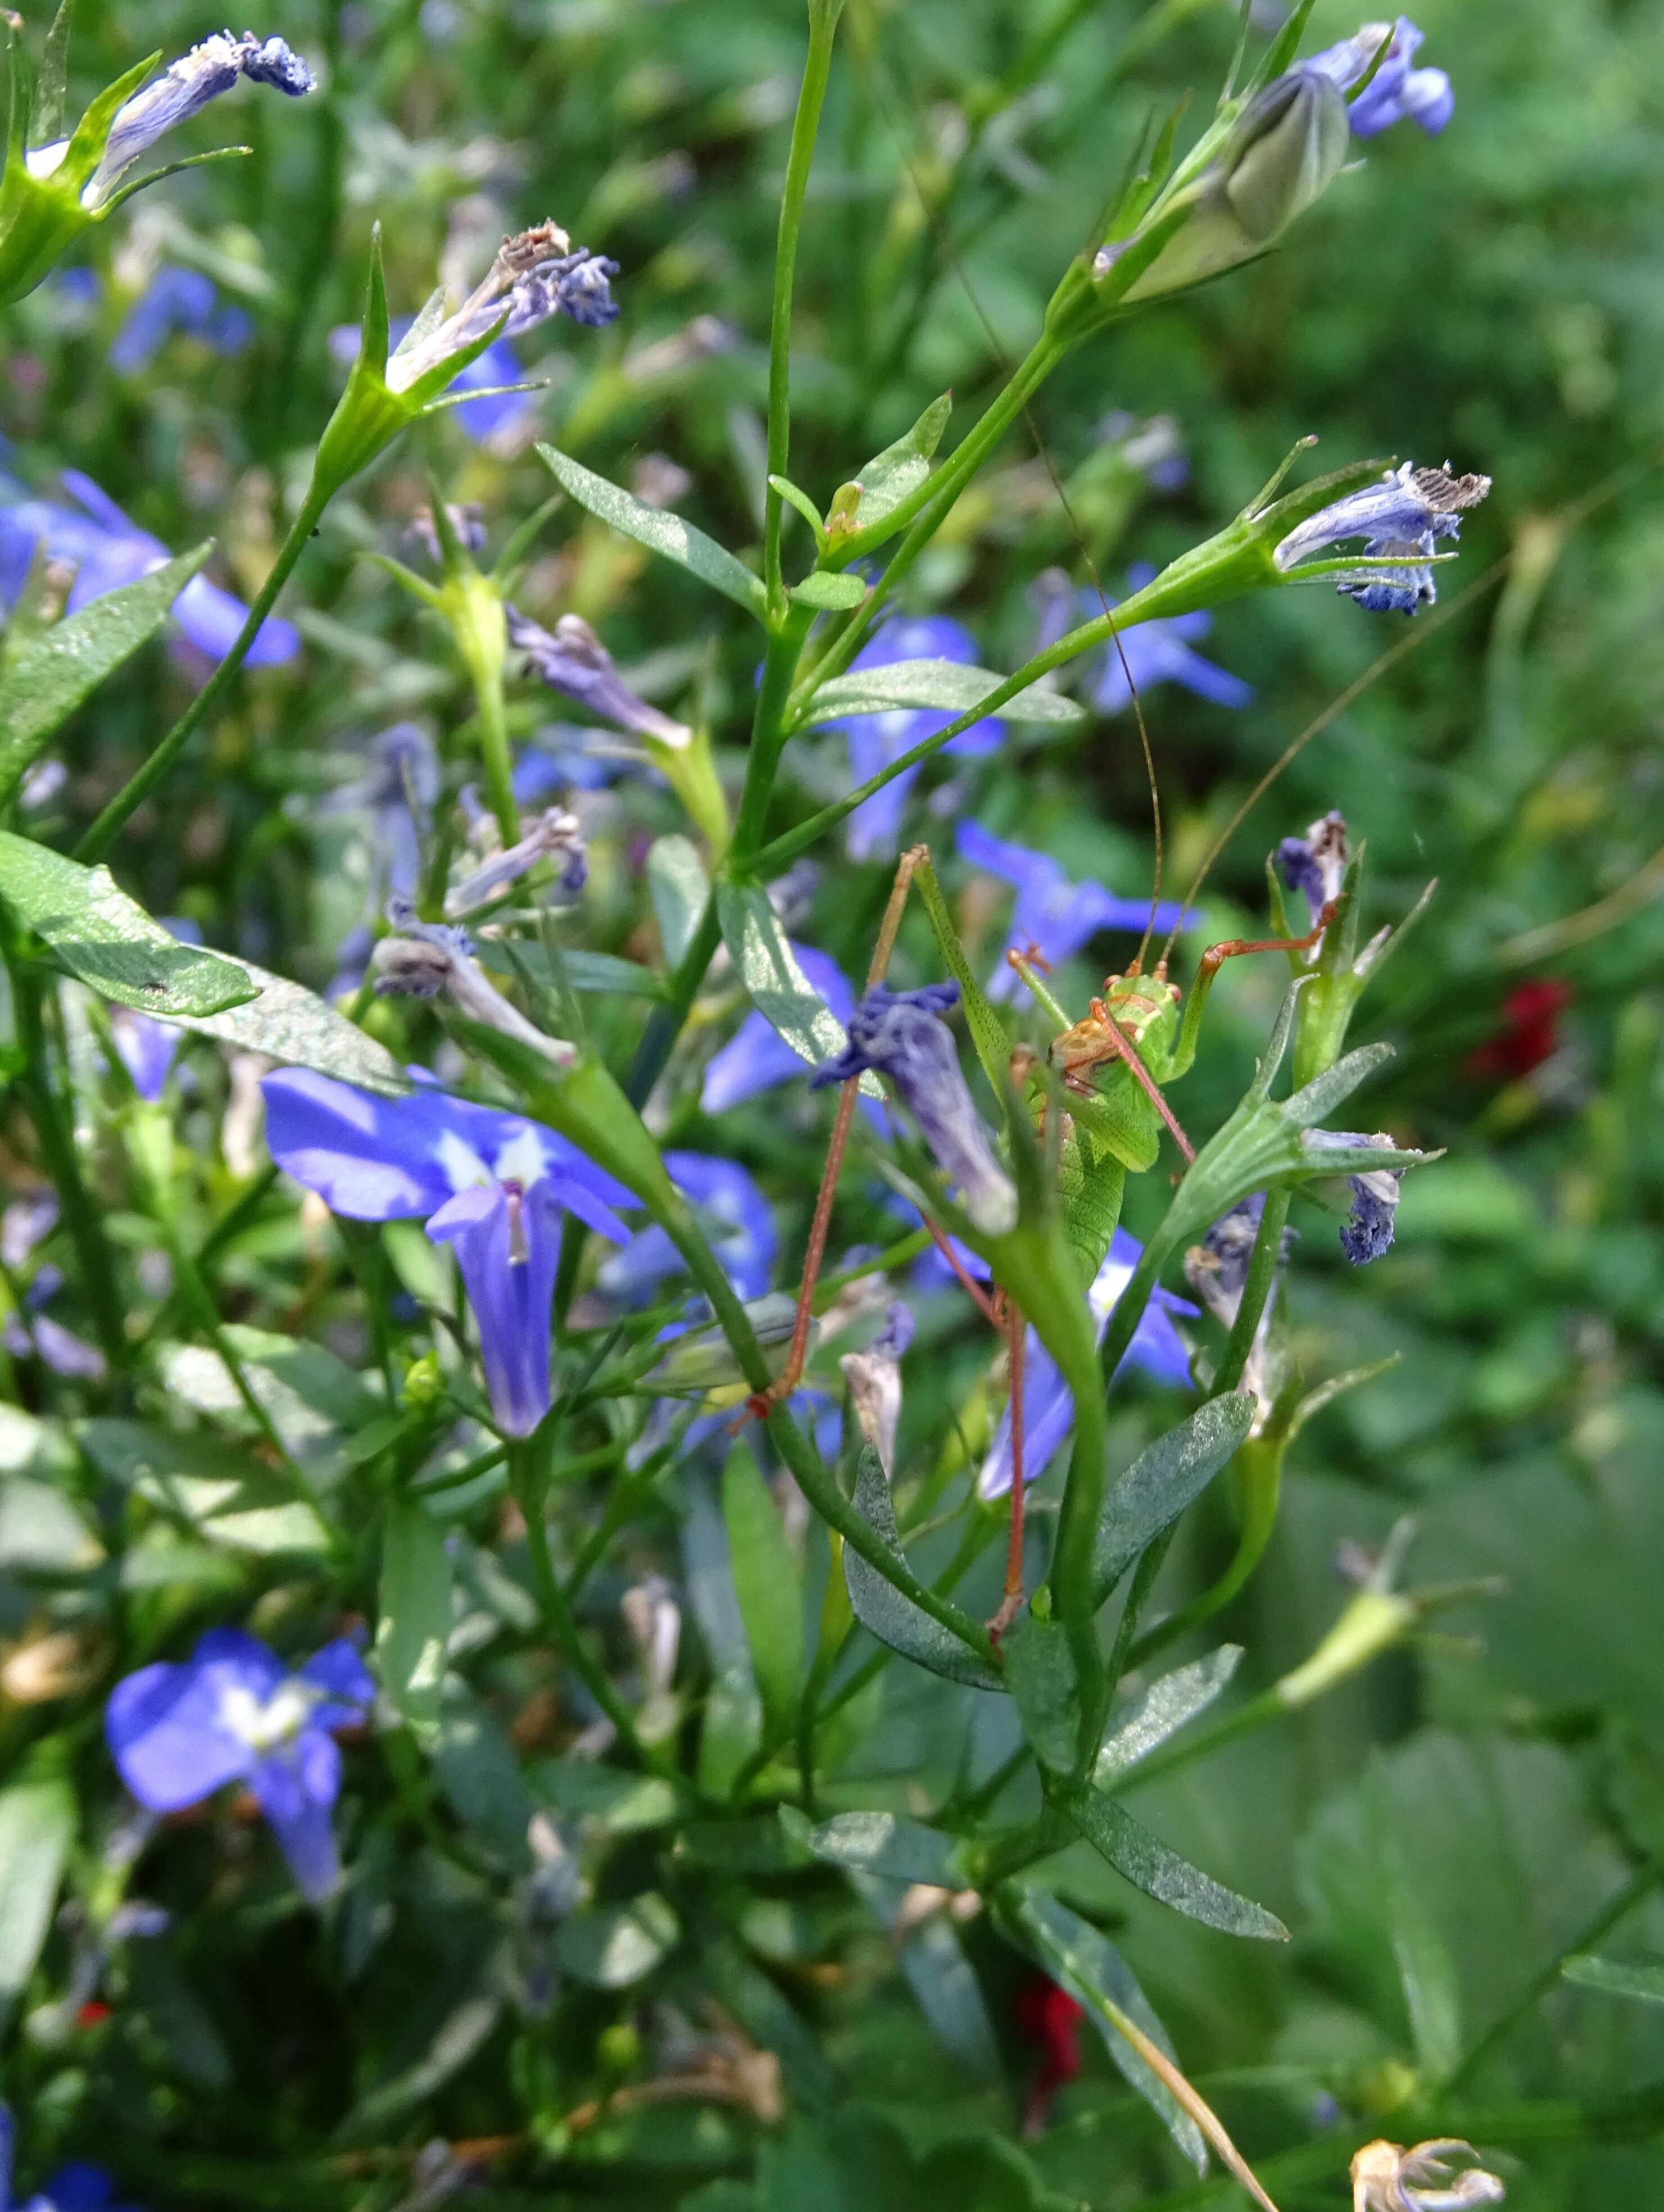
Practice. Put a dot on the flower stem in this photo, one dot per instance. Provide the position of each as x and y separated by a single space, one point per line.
823 26
139 787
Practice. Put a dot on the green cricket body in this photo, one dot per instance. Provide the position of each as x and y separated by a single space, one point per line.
1143 1012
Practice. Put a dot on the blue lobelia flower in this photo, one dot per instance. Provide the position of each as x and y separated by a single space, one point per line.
1405 515
177 303
1397 93
571 660
75 2187
1368 1232
1152 653
900 1034
105 550
233 1712
196 78
738 1220
757 1058
492 1184
874 831
146 1050
1048 1409
1051 915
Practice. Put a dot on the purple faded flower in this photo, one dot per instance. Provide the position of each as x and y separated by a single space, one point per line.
196 78
492 1184
1048 1409
496 412
737 1218
105 550
757 1058
31 1333
177 303
553 835
874 831
573 662
1051 915
900 1034
1403 516
1397 93
875 1379
1368 1231
233 1712
1315 865
1151 652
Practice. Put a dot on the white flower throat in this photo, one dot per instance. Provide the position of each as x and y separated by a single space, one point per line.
265 1724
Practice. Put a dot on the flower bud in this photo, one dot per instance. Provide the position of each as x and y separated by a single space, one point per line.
1285 152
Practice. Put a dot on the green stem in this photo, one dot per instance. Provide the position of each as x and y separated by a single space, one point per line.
823 27
665 1025
81 1217
139 787
529 1482
1256 1290
494 756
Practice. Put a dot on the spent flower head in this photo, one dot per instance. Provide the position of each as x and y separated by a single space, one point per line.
1400 519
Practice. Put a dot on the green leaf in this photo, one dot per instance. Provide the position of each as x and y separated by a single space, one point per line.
659 531
795 496
601 972
832 590
1040 1673
949 685
1619 1977
107 941
896 473
767 1583
934 1967
315 1402
1162 1711
733 1717
887 1843
1151 1494
779 990
293 1025
50 678
1093 1970
37 1827
218 1493
614 1944
623 1804
988 1034
891 1616
415 1624
478 1770
43 1532
679 890
1149 1865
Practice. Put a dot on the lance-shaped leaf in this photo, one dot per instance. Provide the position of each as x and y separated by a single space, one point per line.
993 1045
659 531
887 1843
1089 1966
42 687
679 888
206 1485
779 990
830 590
1619 1977
1162 1711
947 684
934 1967
1149 1865
767 1582
108 940
872 499
1151 1494
892 1616
293 1025
1040 1673
415 1624
37 1827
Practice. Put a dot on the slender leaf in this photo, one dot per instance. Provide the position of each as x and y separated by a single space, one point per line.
295 1026
476 1767
834 590
108 940
887 1843
891 1616
679 888
988 1034
779 990
1619 1977
55 673
898 471
415 1622
1040 1673
732 1718
205 1486
1149 1865
659 531
1162 1709
934 1967
947 684
1091 1970
614 1944
317 1404
767 1582
597 972
37 1826
1163 1481
623 1804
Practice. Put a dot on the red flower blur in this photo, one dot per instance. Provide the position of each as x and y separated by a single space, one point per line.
1529 1034
1049 2017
